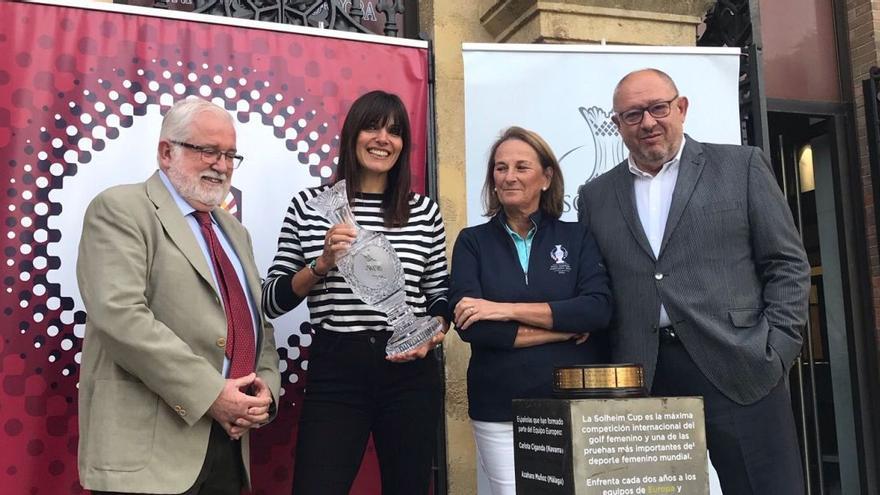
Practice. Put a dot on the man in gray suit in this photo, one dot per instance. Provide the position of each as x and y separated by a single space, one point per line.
710 281
178 362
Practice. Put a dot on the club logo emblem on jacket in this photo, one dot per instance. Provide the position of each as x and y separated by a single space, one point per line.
558 255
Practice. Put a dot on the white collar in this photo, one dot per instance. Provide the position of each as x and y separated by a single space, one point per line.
635 170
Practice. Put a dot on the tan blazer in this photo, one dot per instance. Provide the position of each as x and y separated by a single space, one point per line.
153 350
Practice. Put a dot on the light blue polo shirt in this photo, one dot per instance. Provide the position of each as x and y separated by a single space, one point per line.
523 246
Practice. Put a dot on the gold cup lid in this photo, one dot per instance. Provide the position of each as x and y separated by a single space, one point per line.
599 379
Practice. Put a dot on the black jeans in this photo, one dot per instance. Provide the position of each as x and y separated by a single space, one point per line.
352 391
754 447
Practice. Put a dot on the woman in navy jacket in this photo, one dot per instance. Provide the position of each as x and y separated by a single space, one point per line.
528 290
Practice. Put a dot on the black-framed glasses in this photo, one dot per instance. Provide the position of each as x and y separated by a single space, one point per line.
212 155
657 110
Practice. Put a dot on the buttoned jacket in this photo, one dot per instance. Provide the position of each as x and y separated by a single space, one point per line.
731 269
154 341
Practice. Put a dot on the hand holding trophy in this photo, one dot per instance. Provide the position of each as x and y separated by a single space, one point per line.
375 274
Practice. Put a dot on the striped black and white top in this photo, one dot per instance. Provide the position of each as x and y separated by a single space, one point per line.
420 245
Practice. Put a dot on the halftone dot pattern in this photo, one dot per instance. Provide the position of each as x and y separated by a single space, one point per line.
75 81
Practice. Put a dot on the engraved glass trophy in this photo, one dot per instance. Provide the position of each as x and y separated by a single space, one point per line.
375 274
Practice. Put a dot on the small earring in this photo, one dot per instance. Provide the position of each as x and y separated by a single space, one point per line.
544 189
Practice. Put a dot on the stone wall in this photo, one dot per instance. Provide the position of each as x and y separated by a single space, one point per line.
863 19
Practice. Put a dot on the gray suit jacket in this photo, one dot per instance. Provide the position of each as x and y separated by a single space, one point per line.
153 350
732 272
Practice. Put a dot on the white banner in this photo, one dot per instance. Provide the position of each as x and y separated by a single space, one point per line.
563 92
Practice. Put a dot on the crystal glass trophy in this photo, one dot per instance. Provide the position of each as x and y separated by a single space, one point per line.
374 272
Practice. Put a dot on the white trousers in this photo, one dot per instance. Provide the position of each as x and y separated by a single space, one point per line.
495 455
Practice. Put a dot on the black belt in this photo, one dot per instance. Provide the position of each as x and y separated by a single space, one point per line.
667 335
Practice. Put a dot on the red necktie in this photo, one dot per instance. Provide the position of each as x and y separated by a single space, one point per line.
239 325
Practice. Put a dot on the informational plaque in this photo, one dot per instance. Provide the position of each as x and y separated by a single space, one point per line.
643 446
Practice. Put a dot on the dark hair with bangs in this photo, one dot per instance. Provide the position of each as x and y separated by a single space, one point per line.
377 108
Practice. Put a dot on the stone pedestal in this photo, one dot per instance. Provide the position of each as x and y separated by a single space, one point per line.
646 446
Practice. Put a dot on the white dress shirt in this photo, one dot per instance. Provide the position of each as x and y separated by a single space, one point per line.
653 199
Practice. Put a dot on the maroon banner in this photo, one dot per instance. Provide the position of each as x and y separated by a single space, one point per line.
74 84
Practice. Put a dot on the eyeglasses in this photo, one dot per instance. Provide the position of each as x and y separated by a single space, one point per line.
212 155
657 110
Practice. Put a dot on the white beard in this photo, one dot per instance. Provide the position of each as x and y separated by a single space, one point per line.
192 188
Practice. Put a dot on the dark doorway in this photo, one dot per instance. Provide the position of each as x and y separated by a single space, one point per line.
805 152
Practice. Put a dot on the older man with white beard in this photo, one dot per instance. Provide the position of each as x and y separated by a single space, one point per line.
178 363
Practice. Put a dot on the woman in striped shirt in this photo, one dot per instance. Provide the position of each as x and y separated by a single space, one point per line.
353 389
